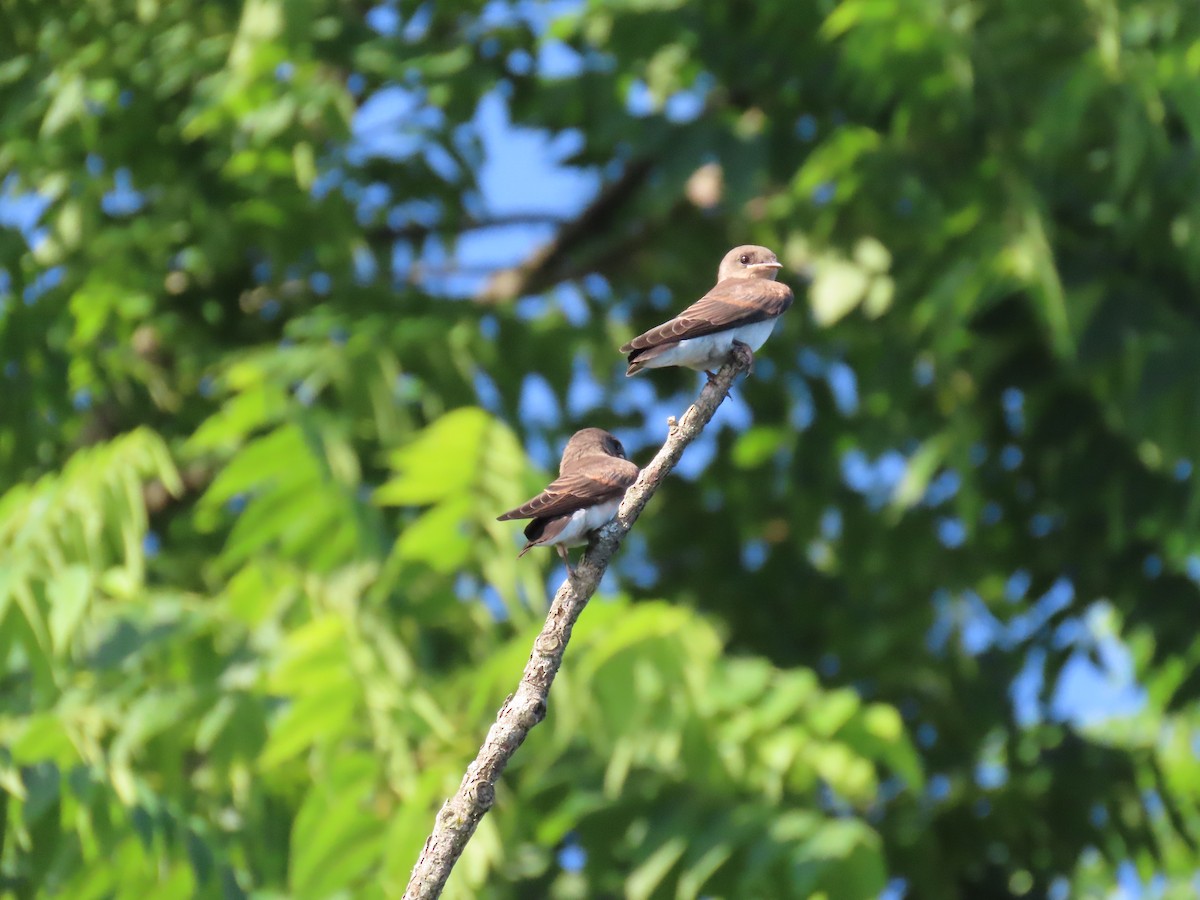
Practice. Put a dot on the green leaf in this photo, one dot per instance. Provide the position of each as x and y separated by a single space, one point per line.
69 594
646 878
917 474
756 446
66 106
338 837
42 737
307 721
440 537
839 287
442 461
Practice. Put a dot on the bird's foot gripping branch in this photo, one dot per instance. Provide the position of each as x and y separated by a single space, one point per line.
460 815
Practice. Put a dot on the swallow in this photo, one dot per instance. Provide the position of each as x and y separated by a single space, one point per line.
740 310
592 478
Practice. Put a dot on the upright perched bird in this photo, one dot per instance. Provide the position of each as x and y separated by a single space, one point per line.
592 479
742 308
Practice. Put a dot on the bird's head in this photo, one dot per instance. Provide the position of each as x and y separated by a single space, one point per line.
749 261
591 442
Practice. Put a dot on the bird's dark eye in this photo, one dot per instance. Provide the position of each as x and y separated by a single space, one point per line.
744 259
618 449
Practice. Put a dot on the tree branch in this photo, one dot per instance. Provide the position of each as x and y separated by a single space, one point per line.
417 230
548 264
460 815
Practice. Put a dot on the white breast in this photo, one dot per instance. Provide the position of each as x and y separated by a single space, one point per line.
585 521
711 350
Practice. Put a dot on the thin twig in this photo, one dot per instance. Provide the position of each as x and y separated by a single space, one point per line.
417 230
460 815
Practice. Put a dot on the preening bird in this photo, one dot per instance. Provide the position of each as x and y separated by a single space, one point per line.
592 479
741 309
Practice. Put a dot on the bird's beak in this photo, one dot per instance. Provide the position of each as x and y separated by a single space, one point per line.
765 265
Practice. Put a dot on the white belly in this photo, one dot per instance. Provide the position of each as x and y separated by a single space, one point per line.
585 521
710 351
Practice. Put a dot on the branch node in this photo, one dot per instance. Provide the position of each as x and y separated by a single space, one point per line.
534 714
483 795
547 644
448 817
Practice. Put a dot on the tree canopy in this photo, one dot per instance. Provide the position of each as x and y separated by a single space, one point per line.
916 616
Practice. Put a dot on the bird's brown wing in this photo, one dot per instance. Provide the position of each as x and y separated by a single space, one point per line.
592 481
733 302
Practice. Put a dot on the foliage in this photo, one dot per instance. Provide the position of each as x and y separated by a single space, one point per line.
256 613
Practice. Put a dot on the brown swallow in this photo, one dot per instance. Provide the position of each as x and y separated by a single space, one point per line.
592 479
741 309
